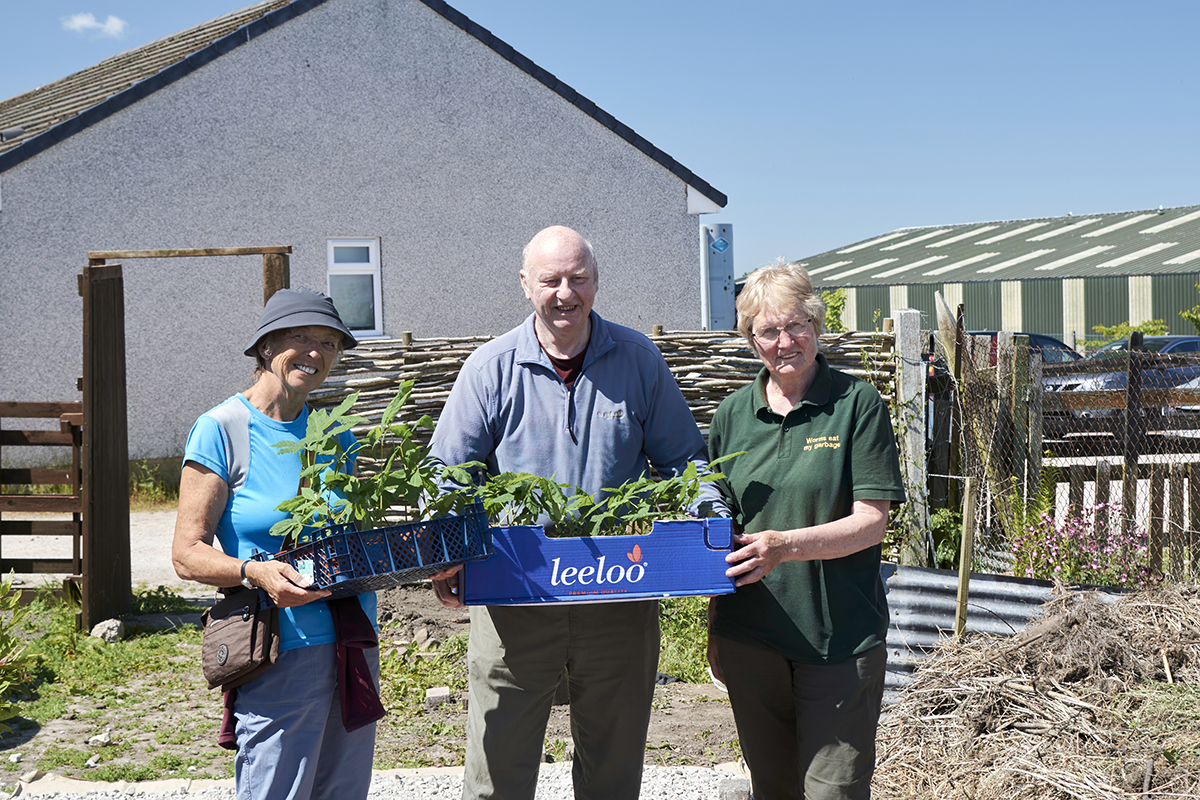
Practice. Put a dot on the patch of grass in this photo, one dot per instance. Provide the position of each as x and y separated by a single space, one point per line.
406 672
684 623
72 663
122 772
174 736
436 743
149 488
35 488
162 600
168 762
55 757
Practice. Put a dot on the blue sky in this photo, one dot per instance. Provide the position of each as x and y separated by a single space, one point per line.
825 123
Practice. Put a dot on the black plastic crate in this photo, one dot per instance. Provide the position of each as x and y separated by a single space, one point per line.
349 562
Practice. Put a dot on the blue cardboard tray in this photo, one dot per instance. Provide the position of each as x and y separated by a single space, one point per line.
676 559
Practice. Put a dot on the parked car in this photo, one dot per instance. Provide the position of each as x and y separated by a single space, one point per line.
1176 362
1176 345
1050 349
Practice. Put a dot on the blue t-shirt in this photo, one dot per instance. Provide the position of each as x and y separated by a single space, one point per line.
234 441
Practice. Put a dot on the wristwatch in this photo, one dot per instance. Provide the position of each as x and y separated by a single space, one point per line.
249 584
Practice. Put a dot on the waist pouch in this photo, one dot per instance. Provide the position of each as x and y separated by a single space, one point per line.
241 637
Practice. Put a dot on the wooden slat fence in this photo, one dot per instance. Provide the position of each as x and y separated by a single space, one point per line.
1009 401
1163 500
18 484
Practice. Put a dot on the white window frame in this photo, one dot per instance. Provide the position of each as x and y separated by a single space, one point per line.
371 268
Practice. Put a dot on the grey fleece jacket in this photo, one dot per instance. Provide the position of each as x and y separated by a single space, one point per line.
511 411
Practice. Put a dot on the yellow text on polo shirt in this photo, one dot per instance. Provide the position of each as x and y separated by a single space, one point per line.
817 442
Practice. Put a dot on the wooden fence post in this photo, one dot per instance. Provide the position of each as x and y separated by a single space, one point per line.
1134 433
1154 528
966 555
277 274
1193 534
1103 492
1034 390
1018 398
910 402
1175 522
107 590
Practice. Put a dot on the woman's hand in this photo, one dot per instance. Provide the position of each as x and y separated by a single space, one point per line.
202 496
285 586
757 554
446 585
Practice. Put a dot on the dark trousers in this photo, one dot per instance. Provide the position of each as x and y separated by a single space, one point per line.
807 732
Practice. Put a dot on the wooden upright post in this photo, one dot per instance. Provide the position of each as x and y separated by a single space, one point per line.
966 555
1134 430
910 401
107 589
277 274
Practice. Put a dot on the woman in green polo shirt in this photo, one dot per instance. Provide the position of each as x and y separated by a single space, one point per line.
800 644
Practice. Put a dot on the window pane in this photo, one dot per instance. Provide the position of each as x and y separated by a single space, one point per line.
354 296
351 255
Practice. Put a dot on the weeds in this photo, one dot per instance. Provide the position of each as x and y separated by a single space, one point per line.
946 526
684 651
406 671
119 686
161 600
149 488
15 662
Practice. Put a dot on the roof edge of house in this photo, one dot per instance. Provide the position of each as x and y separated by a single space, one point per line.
548 79
161 79
273 19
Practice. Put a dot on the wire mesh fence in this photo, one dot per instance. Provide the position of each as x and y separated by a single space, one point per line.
1087 469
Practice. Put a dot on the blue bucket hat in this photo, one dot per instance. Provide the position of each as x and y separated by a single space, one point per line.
295 308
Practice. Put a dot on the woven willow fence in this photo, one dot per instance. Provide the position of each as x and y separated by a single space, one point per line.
708 366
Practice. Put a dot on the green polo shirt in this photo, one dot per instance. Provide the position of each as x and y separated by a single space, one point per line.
807 468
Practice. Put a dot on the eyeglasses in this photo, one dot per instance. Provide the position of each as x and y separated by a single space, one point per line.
797 329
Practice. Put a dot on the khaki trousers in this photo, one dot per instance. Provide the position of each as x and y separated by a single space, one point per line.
515 657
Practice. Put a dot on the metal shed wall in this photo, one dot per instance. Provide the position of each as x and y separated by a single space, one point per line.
920 297
981 304
1106 302
870 300
1042 307
1172 294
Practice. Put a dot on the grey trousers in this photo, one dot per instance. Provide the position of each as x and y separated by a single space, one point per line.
291 742
515 657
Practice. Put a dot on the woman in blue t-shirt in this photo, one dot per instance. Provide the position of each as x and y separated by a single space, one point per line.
294 740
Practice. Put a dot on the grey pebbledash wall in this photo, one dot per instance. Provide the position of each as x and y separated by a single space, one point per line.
357 118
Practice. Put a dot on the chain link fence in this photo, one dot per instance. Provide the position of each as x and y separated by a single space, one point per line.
1101 455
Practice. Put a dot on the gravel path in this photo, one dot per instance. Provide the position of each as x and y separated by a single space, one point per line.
554 783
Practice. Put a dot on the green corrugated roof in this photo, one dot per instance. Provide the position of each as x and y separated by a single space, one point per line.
1090 245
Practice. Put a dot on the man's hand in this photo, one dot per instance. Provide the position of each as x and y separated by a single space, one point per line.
446 587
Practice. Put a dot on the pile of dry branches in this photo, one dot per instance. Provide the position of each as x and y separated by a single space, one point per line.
1098 699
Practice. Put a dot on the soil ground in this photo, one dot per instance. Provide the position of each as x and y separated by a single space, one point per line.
689 723
167 721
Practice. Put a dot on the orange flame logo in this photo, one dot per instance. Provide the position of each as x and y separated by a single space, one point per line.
636 555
